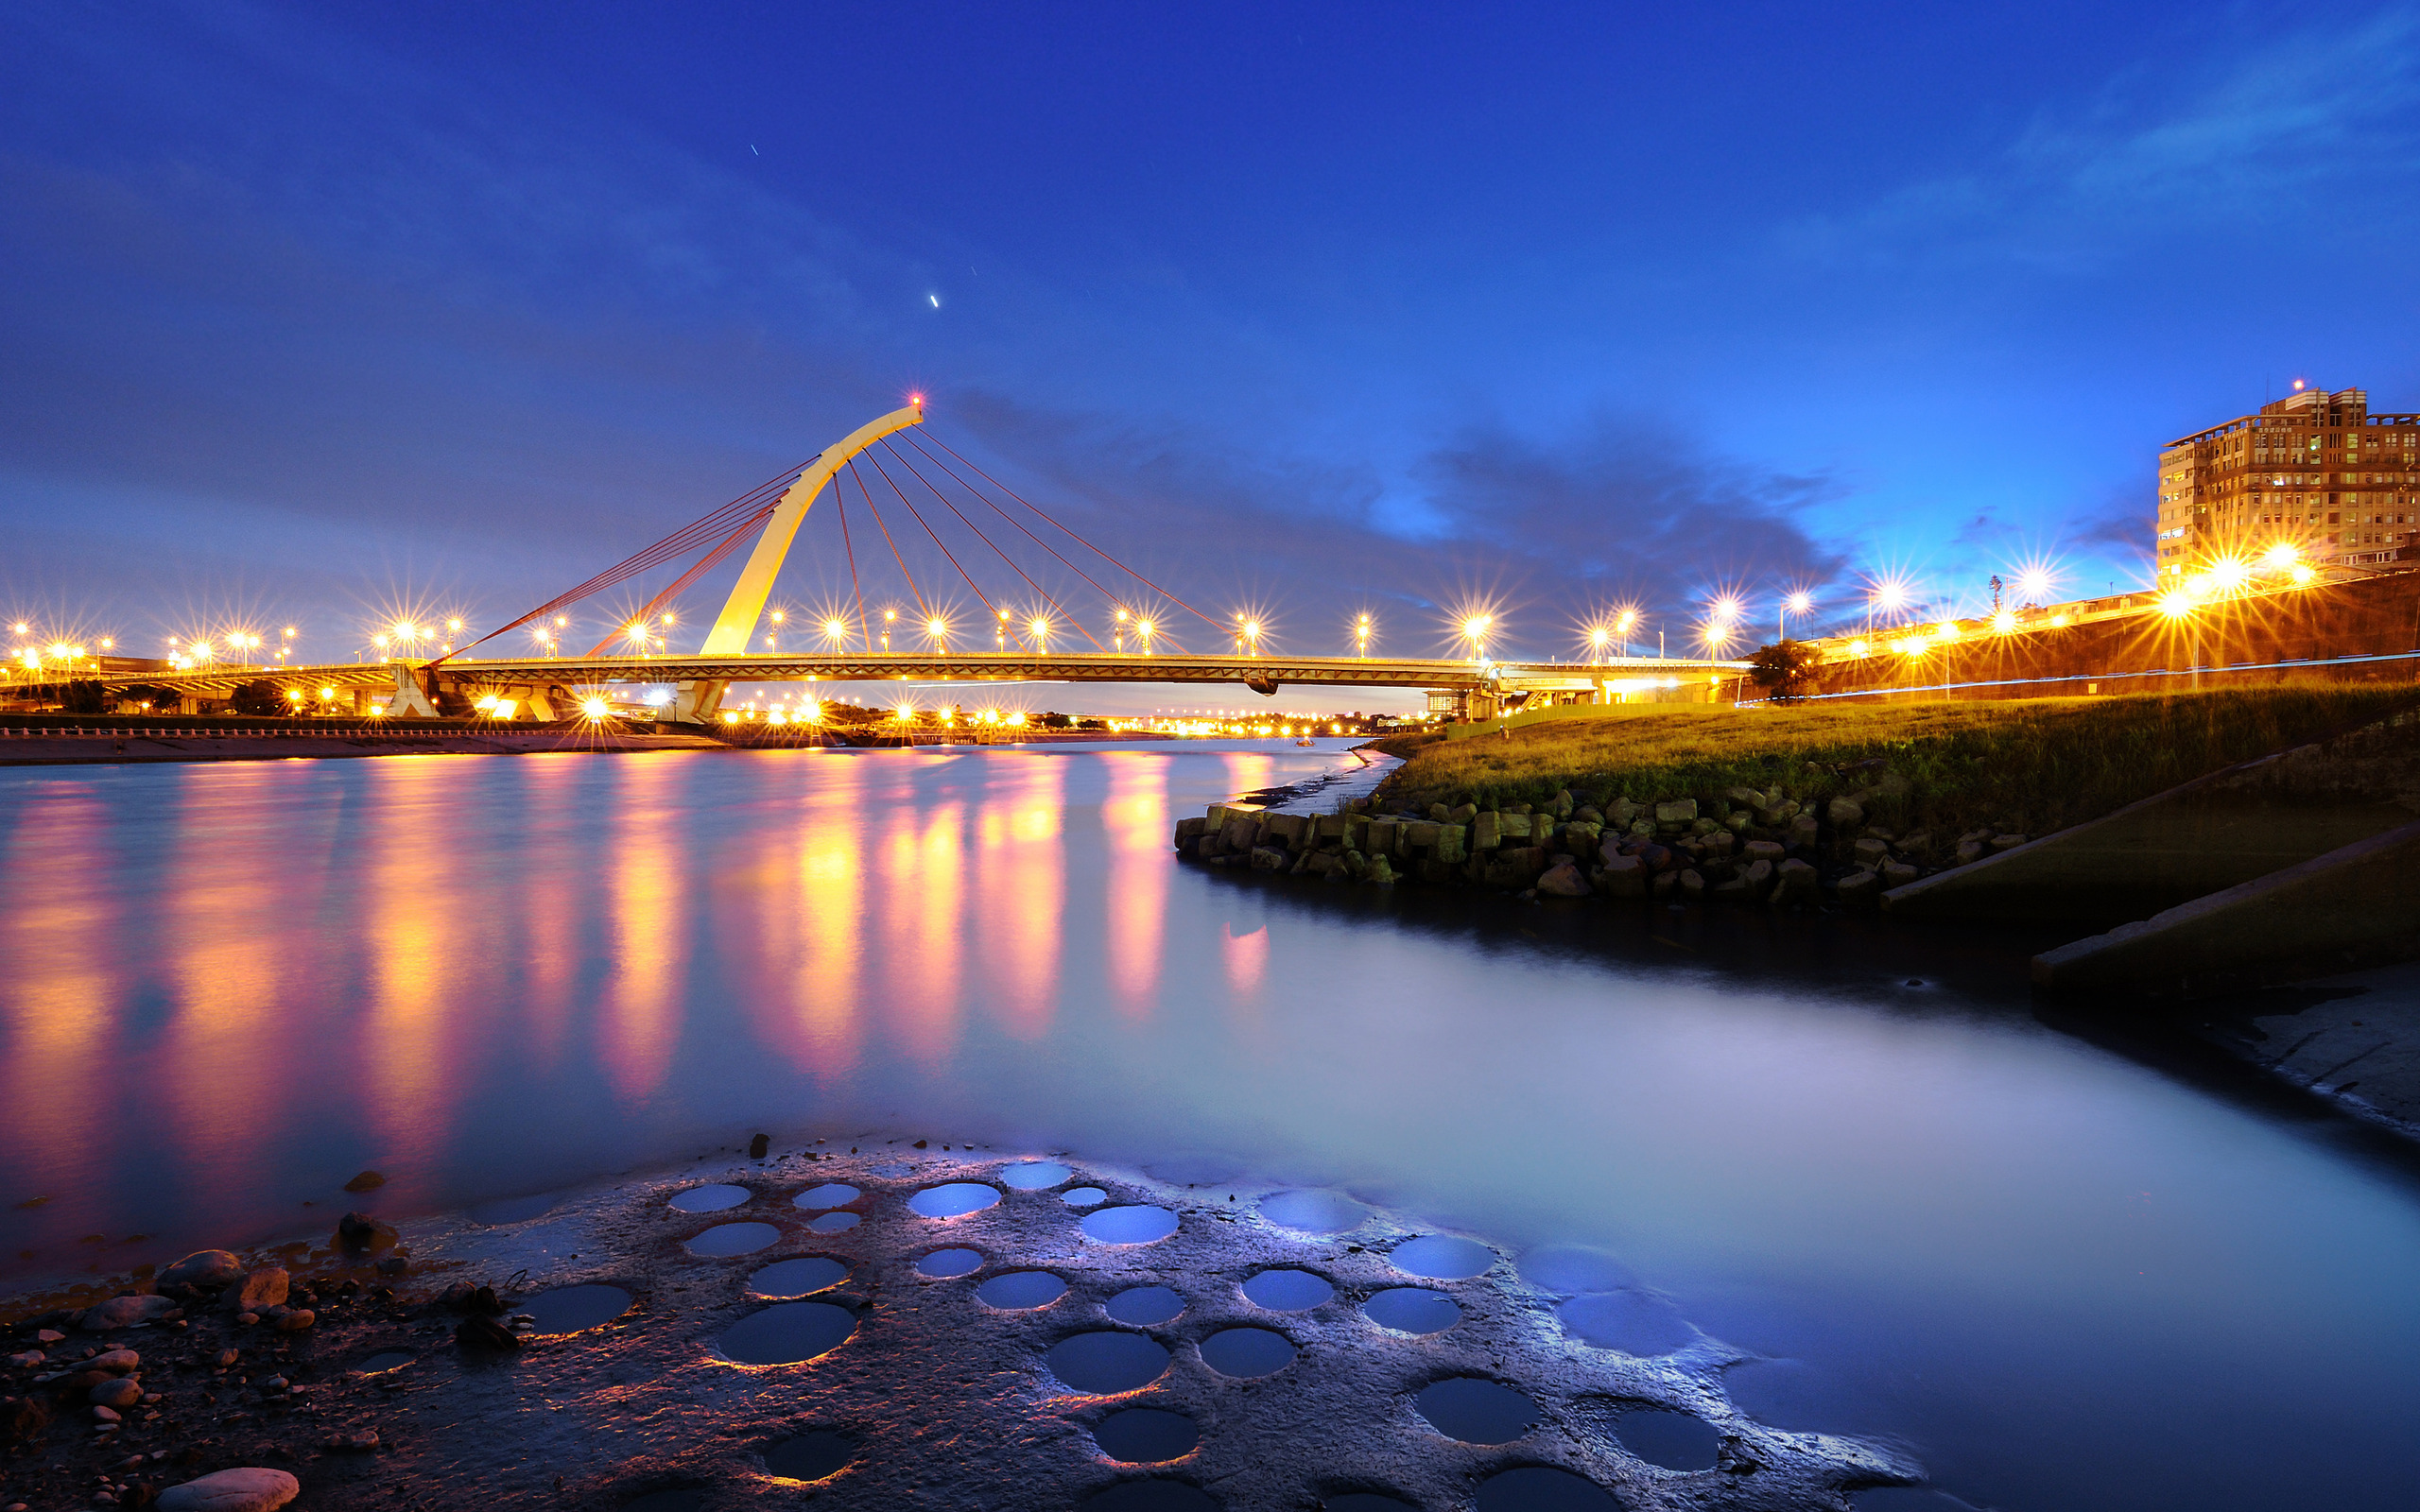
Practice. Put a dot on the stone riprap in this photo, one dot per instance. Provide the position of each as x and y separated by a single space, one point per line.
1743 846
940 1354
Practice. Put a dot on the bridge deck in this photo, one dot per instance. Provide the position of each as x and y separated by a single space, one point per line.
1014 666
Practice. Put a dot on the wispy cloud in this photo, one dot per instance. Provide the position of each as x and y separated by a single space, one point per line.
2266 118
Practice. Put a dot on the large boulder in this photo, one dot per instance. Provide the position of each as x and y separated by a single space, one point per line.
1623 877
1563 880
1844 813
212 1268
1189 834
1796 883
265 1287
1269 858
1861 889
124 1313
1681 812
249 1489
1487 831
1692 886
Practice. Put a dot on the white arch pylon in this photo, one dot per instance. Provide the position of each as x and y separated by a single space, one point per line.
736 624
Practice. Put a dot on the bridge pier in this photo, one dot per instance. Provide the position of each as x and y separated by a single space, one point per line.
410 698
696 702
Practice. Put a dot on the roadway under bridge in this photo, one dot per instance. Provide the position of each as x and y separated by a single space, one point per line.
552 687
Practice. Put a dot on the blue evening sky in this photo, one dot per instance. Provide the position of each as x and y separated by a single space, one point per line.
309 314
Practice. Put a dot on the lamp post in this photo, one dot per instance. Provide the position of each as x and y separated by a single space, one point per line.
1794 604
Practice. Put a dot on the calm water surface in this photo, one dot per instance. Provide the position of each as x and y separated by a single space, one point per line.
2066 1279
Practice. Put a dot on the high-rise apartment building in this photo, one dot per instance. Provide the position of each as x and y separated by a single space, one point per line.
2314 471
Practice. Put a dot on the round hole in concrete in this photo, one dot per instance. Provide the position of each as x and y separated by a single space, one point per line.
1575 1268
1033 1176
725 1240
1105 1363
1633 1322
1019 1291
712 1198
1146 1436
1135 1225
570 1309
1288 1291
513 1210
1364 1502
944 1263
1441 1257
1145 1306
953 1199
1152 1496
385 1360
1675 1440
1543 1488
1313 1212
811 1455
787 1332
830 1194
1083 1196
1474 1411
832 1223
1412 1310
799 1278
1244 1353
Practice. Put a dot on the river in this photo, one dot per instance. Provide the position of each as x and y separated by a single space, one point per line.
2065 1277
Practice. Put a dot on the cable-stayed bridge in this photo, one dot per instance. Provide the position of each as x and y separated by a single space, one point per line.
1016 559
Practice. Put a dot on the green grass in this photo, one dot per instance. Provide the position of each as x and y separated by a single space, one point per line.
2023 766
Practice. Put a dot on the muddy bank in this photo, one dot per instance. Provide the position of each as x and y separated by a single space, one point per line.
899 1325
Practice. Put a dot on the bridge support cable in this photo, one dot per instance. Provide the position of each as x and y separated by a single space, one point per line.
729 543
1062 608
866 494
972 585
841 500
1039 542
731 520
1081 541
978 530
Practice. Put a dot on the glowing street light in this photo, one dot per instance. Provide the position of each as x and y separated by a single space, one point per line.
1798 602
1143 631
1475 628
936 631
1361 635
836 632
1599 639
594 708
1039 626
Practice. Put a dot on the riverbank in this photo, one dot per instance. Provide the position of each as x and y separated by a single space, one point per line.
135 747
952 1329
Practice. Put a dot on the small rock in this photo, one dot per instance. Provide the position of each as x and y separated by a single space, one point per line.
118 1393
1871 852
757 1146
355 1443
366 1181
393 1265
106 1415
1795 882
273 1383
485 1334
359 1233
1844 813
1859 890
250 1489
247 1319
262 1289
28 1359
123 1311
49 1336
2006 842
204 1267
297 1320
118 1362
1898 873
226 1357
1969 851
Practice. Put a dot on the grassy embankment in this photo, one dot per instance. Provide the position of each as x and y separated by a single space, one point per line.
2014 767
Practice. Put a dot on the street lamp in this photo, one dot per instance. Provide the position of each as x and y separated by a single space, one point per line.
1143 629
1474 630
1623 623
1794 604
1599 639
1361 637
890 617
1040 627
936 631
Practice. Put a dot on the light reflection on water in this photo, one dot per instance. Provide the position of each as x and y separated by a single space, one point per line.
2067 1279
